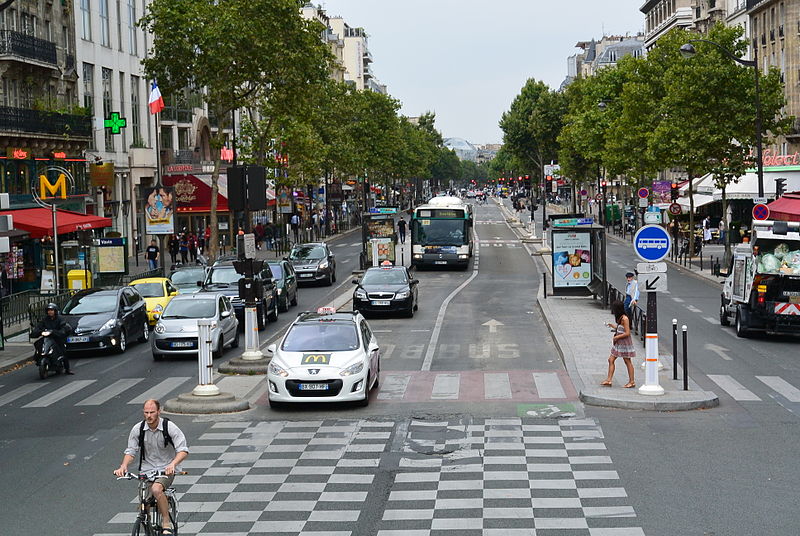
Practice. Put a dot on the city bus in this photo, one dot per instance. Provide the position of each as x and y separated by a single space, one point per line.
441 233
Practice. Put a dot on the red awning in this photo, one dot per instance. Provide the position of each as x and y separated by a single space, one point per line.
38 222
785 208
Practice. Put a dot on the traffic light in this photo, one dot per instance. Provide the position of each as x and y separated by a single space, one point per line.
603 185
780 187
674 194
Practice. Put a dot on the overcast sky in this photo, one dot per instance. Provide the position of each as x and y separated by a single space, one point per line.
466 60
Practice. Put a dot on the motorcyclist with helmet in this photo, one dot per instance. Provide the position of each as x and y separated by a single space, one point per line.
59 330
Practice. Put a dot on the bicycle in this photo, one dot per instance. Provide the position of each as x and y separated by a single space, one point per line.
148 521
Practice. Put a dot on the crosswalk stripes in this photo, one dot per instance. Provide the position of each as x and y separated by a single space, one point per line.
58 394
548 385
497 386
19 392
107 393
732 387
782 387
161 390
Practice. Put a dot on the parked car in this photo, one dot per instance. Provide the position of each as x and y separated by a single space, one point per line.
326 356
176 330
222 277
105 319
286 282
185 278
386 289
157 293
313 262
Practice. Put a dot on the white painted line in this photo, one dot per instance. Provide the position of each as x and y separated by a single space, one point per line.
693 309
437 328
446 387
677 300
419 330
387 350
497 386
58 394
393 386
161 390
783 388
382 331
548 385
733 388
239 386
710 320
340 246
355 244
19 392
106 394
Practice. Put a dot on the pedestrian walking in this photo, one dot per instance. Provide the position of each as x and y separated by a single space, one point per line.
152 254
631 293
192 247
621 345
401 229
172 246
183 245
707 230
294 221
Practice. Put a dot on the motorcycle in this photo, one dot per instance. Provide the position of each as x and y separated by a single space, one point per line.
48 356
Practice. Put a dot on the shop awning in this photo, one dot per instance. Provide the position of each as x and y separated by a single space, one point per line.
786 208
38 222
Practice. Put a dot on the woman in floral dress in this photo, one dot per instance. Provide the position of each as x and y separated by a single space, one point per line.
621 345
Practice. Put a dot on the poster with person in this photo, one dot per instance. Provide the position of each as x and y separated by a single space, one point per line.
159 211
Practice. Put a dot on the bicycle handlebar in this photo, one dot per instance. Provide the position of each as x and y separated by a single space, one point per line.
148 476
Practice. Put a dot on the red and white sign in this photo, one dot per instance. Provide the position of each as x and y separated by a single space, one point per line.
760 212
599 197
787 309
643 193
675 209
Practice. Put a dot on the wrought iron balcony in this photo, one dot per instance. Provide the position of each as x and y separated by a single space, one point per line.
27 121
20 45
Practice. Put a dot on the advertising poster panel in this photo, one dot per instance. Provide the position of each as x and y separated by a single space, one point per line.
572 259
159 211
662 192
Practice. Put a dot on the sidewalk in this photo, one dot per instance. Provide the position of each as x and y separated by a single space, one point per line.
17 351
578 326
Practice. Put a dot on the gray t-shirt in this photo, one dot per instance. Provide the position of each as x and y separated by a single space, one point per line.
156 456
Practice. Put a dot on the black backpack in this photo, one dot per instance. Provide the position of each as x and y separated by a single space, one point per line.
167 438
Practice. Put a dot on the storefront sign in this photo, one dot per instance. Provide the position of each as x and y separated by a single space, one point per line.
59 155
159 211
572 259
17 153
771 158
192 193
102 175
115 123
226 154
185 191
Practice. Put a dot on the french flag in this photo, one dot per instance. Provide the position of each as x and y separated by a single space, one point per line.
156 101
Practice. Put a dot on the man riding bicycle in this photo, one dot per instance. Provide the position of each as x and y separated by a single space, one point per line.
162 447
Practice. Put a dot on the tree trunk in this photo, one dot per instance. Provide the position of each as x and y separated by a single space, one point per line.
726 225
691 217
213 247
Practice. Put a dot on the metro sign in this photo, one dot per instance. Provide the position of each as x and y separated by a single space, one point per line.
45 187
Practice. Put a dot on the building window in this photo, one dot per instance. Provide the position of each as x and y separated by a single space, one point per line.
166 137
28 24
105 38
86 20
48 31
135 126
88 95
122 112
108 107
119 25
183 138
132 41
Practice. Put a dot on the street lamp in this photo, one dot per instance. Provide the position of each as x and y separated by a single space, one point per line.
688 51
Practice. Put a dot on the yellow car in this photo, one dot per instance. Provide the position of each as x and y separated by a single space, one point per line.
157 293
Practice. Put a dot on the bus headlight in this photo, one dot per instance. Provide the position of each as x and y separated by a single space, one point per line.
463 256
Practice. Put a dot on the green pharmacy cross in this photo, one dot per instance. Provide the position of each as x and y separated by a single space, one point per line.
115 123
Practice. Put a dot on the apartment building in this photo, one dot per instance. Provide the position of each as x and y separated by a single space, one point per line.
663 15
356 56
334 42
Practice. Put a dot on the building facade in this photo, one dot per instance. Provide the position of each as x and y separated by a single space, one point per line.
357 58
333 40
663 15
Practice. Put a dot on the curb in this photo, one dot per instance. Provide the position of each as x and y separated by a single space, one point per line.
191 404
14 364
238 365
702 400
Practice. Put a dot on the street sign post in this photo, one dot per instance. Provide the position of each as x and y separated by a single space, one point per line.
249 246
652 243
760 200
675 209
653 282
761 212
598 197
643 202
652 217
643 193
651 267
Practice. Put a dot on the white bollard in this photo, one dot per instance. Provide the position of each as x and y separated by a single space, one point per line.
651 386
251 346
206 386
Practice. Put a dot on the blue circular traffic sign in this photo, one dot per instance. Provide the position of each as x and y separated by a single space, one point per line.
644 193
652 243
760 212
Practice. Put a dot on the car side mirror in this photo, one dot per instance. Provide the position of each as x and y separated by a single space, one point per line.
173 293
127 309
271 348
225 314
286 258
355 281
156 316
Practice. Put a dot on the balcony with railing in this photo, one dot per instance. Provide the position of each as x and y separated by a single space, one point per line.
25 121
20 46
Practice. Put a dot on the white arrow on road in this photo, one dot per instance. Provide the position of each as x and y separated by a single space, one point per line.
492 323
719 350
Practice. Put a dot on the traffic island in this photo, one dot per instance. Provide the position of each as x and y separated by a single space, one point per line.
191 403
672 400
241 365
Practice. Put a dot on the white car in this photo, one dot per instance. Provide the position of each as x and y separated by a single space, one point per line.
326 356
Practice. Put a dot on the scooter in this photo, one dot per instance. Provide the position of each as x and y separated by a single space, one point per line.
48 356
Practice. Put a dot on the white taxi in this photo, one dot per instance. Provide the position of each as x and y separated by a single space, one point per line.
326 356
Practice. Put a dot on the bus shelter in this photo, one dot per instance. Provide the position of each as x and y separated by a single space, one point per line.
378 236
579 257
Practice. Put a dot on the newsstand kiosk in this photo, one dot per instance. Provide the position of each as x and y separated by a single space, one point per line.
378 236
579 258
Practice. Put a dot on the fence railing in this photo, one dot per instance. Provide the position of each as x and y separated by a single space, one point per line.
639 320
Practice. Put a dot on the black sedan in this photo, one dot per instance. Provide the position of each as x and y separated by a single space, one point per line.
105 319
313 262
386 289
286 283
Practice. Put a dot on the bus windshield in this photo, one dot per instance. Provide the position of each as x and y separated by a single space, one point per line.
436 232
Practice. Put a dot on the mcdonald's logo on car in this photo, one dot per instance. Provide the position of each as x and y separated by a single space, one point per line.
59 189
316 359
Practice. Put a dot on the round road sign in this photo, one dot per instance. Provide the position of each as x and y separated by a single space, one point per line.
644 193
584 193
760 212
675 209
652 243
598 197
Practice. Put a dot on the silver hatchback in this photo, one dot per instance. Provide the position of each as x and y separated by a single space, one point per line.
175 332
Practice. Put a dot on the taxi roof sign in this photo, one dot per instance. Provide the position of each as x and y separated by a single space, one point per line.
386 264
326 310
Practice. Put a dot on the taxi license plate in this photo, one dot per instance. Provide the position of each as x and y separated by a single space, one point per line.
381 302
439 262
313 386
182 344
306 275
77 339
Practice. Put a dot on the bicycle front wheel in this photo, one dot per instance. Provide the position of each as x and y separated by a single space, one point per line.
173 514
141 528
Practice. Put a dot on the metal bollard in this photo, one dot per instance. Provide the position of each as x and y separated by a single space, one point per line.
685 360
251 346
206 386
544 278
701 260
674 348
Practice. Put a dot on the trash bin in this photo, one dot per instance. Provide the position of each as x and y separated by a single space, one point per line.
79 279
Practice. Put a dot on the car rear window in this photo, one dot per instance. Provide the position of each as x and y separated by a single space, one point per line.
384 277
191 309
277 271
321 337
150 290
